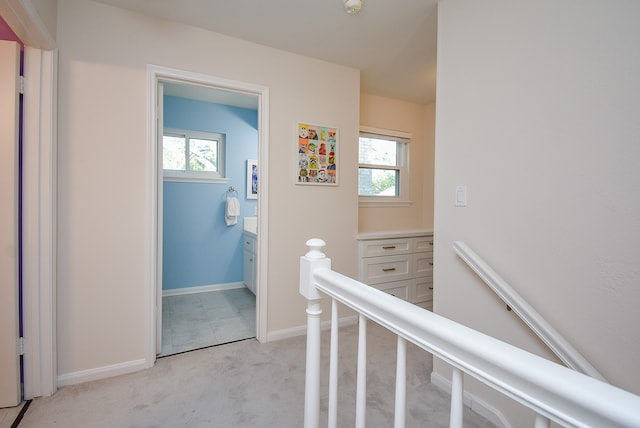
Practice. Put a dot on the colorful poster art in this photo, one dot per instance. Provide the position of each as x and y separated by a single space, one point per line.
317 155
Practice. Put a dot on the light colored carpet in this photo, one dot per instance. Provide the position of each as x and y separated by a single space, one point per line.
248 384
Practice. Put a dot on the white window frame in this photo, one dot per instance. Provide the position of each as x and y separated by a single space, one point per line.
404 139
198 176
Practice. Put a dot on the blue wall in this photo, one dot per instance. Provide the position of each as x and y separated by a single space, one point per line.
198 247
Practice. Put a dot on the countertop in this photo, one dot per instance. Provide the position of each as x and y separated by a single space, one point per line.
250 226
365 236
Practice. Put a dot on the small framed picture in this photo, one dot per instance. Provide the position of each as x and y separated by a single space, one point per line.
316 155
252 179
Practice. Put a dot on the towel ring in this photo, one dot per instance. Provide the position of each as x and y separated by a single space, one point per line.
232 190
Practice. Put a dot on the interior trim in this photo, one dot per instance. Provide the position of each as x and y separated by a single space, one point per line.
39 222
155 76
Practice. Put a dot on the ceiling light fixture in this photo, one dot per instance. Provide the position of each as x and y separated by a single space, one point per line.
353 6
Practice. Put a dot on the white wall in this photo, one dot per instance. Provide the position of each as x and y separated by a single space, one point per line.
537 113
103 231
47 11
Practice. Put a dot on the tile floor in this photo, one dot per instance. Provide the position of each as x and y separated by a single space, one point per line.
193 321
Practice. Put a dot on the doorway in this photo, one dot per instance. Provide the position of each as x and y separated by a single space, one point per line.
209 136
224 92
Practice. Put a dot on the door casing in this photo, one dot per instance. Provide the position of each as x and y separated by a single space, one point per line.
39 172
155 76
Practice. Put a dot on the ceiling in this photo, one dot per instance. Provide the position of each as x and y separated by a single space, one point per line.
211 95
392 42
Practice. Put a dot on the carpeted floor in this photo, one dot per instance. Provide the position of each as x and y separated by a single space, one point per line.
248 384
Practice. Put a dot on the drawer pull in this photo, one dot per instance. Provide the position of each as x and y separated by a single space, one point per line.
389 247
431 288
388 269
430 263
431 243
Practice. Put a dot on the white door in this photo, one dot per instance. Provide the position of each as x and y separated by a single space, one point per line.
9 322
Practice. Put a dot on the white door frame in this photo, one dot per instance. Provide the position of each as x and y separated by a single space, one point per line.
155 75
39 202
39 174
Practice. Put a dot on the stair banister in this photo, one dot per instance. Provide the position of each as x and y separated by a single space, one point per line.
545 331
554 392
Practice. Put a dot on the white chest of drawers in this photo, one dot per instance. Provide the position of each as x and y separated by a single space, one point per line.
399 263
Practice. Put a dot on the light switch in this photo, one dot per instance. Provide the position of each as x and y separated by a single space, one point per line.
461 196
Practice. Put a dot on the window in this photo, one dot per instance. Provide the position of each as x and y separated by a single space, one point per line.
192 156
383 173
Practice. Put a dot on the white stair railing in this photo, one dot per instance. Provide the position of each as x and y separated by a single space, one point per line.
545 331
554 392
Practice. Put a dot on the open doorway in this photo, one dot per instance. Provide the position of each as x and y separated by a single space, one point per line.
224 293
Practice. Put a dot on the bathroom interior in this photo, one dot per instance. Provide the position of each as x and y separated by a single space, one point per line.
209 226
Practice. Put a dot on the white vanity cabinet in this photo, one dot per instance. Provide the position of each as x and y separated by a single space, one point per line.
249 263
399 263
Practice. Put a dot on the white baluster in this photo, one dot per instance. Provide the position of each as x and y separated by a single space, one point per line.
541 422
313 260
361 388
455 420
333 367
401 384
312 377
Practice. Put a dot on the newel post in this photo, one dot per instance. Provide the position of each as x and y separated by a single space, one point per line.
309 263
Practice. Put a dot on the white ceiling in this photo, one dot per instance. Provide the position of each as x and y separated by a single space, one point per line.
211 95
392 42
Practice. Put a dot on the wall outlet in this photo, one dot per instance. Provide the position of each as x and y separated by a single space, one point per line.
461 196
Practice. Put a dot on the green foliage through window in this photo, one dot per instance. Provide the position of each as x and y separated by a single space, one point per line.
190 151
380 164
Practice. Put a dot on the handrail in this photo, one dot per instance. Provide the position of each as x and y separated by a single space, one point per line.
553 391
545 331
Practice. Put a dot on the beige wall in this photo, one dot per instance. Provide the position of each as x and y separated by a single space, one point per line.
417 119
537 113
103 230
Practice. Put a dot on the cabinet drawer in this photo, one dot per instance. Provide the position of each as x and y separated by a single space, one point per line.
399 289
423 243
249 244
384 269
423 290
385 247
423 263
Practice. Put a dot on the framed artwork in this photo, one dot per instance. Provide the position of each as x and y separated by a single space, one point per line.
316 155
252 179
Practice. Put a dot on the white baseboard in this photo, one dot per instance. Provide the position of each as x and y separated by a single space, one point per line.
202 289
101 372
479 406
302 329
